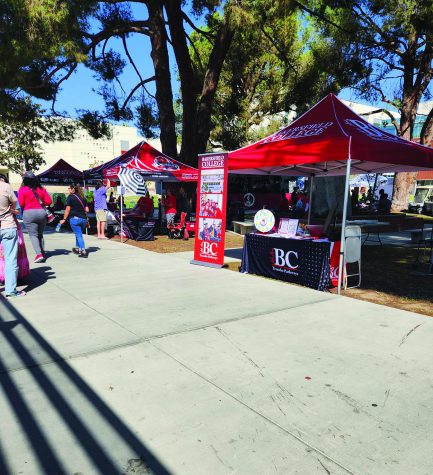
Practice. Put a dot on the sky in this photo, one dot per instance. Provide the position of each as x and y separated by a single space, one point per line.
79 91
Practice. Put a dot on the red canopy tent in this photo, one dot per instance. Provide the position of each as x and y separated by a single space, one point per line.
61 173
321 141
330 139
147 160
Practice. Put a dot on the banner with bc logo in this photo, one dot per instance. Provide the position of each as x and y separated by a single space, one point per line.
210 222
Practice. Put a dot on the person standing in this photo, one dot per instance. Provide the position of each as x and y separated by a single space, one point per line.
33 198
76 210
9 238
101 208
144 206
170 207
182 201
294 196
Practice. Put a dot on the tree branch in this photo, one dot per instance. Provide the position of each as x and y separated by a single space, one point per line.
141 27
125 46
140 84
206 34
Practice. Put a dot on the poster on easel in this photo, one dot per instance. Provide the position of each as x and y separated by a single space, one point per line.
210 222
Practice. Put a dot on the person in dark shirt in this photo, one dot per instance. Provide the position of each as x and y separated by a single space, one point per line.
294 197
182 201
283 205
76 210
384 204
58 205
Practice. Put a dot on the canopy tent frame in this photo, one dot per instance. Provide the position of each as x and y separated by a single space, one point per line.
330 140
152 165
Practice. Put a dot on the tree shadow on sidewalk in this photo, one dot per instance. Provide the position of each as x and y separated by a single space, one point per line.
85 418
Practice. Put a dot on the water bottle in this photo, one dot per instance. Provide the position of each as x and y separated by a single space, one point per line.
58 227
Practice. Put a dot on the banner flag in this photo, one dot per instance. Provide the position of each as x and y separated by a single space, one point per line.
210 225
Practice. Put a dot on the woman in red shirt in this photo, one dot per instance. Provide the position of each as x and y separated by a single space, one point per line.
145 206
32 198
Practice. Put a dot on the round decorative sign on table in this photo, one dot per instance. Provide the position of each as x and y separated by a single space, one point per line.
264 220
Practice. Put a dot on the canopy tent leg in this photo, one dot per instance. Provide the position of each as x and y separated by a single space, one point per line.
343 222
121 219
311 197
84 186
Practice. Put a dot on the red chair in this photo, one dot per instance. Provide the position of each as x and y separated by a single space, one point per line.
178 230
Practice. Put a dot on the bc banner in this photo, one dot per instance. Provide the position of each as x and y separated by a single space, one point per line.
210 223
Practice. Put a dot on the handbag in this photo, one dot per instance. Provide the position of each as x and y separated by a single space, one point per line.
50 215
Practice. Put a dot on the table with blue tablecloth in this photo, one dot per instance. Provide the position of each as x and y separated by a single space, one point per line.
300 261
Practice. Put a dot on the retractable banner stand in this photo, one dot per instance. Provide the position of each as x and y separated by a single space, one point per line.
210 223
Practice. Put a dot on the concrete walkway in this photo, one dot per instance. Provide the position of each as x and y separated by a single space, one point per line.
132 362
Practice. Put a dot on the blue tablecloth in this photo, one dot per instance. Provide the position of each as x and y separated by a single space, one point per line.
298 261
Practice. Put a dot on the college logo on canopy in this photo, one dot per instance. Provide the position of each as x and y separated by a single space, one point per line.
164 163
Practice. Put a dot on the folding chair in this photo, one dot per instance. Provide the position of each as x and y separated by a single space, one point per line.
352 253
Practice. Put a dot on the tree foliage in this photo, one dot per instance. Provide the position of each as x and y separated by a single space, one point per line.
278 62
393 44
20 141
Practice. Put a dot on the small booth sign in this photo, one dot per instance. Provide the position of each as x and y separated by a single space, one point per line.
211 210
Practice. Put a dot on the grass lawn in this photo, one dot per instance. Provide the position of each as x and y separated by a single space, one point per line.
388 274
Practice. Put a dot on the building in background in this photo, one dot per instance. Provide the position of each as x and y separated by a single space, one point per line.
84 151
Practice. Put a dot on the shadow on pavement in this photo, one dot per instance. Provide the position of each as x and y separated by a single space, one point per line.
39 276
92 249
235 253
94 427
57 252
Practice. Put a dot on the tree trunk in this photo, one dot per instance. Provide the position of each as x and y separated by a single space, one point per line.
216 60
188 152
426 136
329 192
161 63
403 186
403 181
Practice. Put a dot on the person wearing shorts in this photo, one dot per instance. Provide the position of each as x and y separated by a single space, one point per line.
100 196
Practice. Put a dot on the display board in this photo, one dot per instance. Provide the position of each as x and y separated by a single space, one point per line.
211 210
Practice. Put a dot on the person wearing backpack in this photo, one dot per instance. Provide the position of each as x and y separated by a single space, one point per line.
33 199
76 210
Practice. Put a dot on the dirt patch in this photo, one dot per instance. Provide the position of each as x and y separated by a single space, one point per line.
388 274
389 277
164 245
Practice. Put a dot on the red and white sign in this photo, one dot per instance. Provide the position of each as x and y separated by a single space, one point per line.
211 210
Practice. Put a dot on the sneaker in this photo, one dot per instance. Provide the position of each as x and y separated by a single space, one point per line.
17 293
76 250
39 258
83 253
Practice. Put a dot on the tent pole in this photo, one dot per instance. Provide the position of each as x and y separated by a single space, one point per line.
311 198
84 186
121 217
343 220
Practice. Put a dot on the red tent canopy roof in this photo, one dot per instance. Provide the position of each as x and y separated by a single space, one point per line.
320 141
149 161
